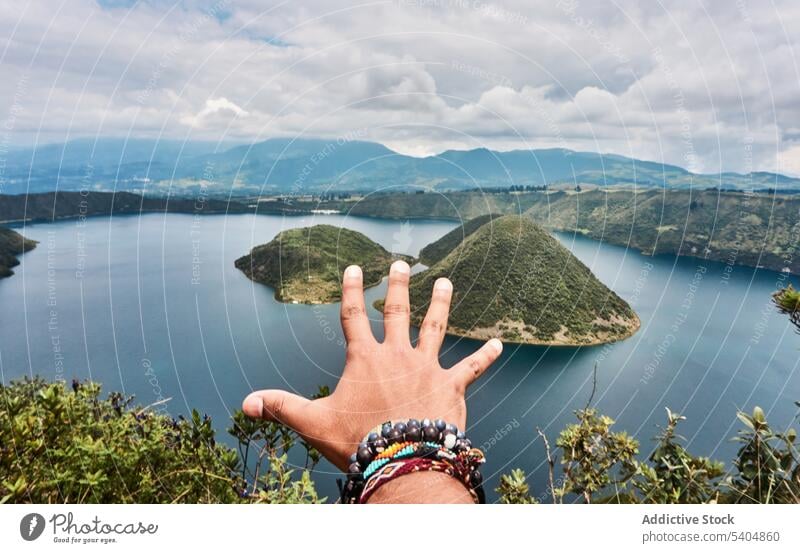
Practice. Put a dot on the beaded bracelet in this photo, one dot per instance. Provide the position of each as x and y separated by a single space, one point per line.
393 449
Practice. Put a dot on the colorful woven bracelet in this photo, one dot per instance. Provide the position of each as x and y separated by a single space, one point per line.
396 469
394 449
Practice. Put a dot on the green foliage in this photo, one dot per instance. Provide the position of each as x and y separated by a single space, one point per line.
59 445
788 301
767 468
452 241
306 264
512 278
73 446
514 489
594 458
600 466
674 475
753 229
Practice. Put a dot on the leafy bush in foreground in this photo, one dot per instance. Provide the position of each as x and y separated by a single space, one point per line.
674 475
600 466
59 445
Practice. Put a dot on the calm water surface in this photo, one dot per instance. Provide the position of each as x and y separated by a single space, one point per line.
153 306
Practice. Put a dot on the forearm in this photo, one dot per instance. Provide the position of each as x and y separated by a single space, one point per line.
422 487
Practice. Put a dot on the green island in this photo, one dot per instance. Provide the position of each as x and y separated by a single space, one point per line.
305 265
12 244
511 280
514 281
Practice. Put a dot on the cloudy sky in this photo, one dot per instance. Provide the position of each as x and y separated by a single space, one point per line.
708 85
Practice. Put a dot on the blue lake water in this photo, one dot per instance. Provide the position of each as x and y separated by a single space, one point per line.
153 306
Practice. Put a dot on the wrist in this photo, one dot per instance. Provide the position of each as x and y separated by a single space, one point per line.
403 448
422 487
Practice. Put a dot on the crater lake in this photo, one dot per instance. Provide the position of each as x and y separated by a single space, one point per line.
153 306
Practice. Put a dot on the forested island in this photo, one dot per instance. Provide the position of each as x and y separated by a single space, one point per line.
509 278
513 281
305 265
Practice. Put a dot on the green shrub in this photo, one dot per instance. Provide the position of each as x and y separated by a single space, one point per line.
674 475
59 445
594 458
600 466
514 488
767 469
788 301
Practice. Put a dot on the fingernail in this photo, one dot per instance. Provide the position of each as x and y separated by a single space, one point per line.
253 406
353 271
443 285
496 344
400 267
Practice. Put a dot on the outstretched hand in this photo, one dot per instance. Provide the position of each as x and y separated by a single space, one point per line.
390 380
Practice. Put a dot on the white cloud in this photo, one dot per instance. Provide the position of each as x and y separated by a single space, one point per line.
789 160
715 82
216 108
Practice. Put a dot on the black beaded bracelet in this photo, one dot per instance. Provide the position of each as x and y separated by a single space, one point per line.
382 453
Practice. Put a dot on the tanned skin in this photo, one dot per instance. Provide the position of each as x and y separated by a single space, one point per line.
381 381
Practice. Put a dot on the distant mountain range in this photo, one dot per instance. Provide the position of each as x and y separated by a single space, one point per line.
316 166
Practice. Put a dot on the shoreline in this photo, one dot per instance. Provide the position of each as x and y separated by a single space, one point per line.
237 207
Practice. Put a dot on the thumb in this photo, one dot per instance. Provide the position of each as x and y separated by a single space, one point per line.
278 406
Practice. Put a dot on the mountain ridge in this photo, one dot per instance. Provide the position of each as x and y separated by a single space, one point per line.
286 165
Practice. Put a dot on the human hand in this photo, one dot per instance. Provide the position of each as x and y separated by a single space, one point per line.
391 380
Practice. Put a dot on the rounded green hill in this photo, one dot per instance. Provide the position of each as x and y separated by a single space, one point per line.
514 281
305 265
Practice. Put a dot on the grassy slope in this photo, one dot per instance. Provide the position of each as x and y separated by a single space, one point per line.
12 244
305 265
438 250
512 279
747 230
